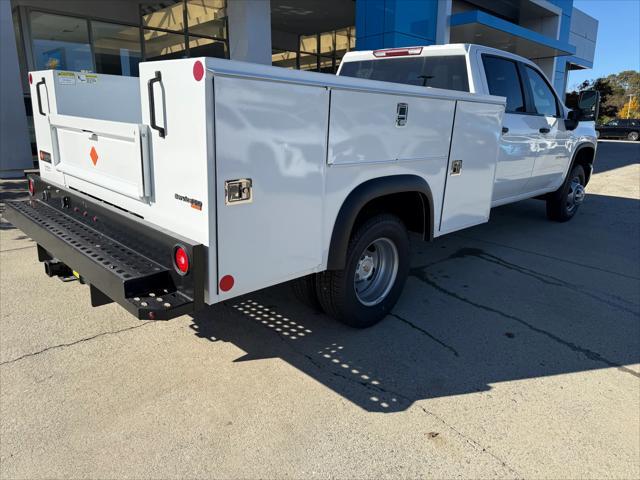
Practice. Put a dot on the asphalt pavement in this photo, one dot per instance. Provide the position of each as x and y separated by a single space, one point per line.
514 352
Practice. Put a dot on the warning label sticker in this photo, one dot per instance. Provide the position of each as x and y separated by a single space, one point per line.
87 78
66 78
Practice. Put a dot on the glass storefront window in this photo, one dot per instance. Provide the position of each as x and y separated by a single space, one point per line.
163 45
207 18
283 58
309 43
116 48
308 61
326 65
166 15
207 47
326 43
320 52
206 27
345 42
60 43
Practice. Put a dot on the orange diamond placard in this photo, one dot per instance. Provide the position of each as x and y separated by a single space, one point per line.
94 155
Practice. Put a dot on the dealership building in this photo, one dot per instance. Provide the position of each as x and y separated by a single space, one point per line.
113 36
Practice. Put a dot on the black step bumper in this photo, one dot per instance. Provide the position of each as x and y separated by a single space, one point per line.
123 258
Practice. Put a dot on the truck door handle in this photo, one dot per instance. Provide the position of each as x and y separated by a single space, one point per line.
505 129
544 130
38 85
152 104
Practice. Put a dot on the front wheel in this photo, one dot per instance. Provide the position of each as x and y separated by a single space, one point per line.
376 269
633 136
563 204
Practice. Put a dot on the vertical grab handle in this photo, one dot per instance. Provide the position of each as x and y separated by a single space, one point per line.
152 104
38 85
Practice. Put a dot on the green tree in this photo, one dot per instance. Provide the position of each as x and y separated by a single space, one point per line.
614 92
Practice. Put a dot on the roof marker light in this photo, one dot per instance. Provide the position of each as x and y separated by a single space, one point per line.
397 52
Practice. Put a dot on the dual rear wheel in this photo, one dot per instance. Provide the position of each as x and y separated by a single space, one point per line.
375 271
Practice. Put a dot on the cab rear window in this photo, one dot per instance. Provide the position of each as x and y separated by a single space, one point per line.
448 72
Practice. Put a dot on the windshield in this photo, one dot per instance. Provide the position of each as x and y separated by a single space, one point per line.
449 72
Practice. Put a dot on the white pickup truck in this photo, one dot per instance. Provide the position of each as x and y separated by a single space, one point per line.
206 179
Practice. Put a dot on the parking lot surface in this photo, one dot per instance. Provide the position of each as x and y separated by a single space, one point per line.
514 352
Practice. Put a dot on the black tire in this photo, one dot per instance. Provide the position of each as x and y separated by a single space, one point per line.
633 136
336 288
304 289
560 206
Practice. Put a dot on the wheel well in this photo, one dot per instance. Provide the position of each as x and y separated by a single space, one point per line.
585 157
407 196
410 207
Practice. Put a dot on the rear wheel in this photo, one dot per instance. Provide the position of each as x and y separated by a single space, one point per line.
304 288
376 270
633 136
563 204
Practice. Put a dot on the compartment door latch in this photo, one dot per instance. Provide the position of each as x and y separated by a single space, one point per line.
456 167
238 191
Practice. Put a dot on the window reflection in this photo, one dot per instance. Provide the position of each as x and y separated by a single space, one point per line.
159 44
116 48
60 43
166 15
207 17
320 52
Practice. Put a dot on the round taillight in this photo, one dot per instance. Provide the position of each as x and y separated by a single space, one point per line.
32 187
226 283
181 260
198 70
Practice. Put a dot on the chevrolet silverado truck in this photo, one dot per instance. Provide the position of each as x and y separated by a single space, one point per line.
206 179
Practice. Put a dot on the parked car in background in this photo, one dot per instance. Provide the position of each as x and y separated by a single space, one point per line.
627 128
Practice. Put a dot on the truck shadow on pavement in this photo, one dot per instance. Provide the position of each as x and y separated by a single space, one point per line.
472 314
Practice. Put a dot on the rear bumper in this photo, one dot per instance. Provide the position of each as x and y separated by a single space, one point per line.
122 257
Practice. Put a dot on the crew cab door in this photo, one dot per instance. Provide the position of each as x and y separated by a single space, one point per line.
519 145
553 153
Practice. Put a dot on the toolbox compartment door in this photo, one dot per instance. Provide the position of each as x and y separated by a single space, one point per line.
112 155
472 165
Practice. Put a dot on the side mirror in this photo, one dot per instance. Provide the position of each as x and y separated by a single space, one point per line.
571 122
589 105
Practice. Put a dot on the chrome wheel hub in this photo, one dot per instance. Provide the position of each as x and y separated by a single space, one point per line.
376 271
576 194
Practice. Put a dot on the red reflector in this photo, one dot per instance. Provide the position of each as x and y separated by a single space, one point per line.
30 79
32 187
198 71
181 260
397 52
226 283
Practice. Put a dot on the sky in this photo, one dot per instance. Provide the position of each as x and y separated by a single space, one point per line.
618 42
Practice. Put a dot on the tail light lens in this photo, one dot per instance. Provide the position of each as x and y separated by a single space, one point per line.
32 187
181 260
